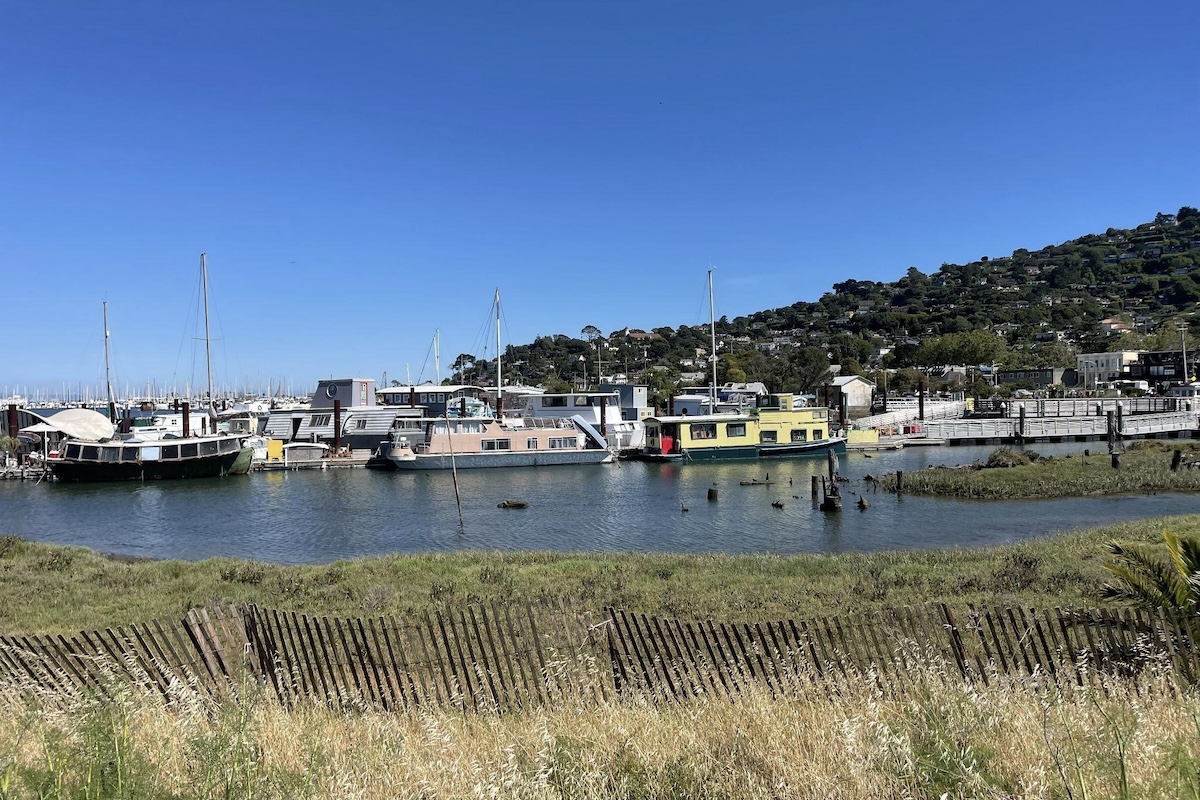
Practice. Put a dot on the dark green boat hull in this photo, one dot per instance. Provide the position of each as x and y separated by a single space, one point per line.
213 466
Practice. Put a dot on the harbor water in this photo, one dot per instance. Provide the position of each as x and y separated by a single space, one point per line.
321 516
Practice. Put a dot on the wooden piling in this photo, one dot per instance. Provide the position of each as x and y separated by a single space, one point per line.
814 486
712 495
899 481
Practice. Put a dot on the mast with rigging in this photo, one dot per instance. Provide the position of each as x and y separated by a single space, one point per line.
212 411
712 329
112 408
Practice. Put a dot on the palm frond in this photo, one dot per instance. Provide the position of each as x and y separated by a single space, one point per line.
1136 586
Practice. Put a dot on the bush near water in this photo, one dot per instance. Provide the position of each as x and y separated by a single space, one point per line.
1008 474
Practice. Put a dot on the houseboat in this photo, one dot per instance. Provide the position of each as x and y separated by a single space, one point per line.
162 459
781 425
622 428
473 443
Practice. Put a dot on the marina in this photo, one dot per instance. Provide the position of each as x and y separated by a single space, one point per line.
298 517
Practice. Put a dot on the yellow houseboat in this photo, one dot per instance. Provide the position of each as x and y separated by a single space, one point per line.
780 426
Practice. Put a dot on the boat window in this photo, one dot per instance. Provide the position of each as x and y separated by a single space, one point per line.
735 429
799 435
582 400
424 397
359 424
129 453
319 420
151 453
208 448
72 451
110 453
817 435
563 443
531 443
441 398
767 437
704 430
229 445
170 451
188 450
554 402
496 444
91 453
820 413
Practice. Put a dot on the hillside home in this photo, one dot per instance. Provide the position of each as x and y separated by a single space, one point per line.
1112 325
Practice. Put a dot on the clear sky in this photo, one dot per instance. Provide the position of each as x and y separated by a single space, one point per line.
361 174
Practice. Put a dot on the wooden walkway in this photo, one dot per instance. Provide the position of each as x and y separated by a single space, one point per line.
494 657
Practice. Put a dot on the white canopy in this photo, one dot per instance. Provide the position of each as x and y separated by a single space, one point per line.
77 423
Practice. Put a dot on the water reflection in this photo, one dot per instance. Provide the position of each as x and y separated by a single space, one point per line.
306 517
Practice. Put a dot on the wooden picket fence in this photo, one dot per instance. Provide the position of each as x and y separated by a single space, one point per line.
476 657
671 659
505 656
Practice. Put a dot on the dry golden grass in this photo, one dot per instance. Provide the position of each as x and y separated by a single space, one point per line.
1013 739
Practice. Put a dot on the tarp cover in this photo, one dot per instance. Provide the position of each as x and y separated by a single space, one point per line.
80 423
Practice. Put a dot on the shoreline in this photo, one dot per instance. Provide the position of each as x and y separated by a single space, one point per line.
82 588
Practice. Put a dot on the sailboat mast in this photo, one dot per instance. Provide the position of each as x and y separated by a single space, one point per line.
112 408
712 329
437 354
499 383
207 338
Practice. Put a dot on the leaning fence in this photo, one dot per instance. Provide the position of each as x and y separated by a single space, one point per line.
480 657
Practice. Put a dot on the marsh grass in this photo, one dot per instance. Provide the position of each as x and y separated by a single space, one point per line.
1017 737
1144 467
92 591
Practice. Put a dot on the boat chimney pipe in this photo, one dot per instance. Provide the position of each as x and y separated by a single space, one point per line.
186 419
12 420
175 405
671 406
412 398
337 425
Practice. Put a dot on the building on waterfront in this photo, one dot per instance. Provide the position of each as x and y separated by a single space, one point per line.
1094 369
1160 368
857 391
1039 377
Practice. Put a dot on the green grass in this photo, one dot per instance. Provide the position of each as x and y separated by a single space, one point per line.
48 588
1145 467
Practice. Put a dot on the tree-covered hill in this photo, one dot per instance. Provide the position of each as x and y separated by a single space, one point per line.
1121 289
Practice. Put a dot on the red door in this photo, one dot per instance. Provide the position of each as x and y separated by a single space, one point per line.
668 443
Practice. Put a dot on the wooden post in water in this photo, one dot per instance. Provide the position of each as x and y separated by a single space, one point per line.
337 426
814 487
899 481
712 495
833 494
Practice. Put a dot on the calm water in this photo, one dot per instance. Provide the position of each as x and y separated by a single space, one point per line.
313 517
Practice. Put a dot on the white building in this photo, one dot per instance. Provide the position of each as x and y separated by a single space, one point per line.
1093 369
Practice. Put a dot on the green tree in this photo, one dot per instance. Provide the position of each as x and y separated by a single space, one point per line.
1150 581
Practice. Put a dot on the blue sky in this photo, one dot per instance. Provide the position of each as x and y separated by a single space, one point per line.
362 174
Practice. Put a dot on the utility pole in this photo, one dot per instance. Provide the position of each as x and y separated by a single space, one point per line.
1182 328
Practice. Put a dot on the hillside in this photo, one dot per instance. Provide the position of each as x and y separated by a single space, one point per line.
1121 289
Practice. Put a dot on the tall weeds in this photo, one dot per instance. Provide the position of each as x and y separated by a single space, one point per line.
1015 737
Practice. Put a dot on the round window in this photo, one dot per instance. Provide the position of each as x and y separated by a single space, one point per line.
331 390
